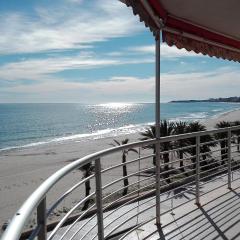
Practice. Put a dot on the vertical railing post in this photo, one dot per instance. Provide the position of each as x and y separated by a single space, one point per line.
229 160
98 179
197 170
157 126
41 220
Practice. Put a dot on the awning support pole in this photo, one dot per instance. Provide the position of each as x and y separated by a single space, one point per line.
157 126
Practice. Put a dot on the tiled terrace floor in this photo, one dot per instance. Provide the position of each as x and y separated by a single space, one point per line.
218 217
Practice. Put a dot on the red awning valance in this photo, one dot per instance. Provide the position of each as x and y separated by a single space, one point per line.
207 27
199 47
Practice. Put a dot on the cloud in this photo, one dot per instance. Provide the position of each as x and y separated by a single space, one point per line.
166 51
42 69
201 85
113 89
75 1
68 26
194 85
115 86
79 24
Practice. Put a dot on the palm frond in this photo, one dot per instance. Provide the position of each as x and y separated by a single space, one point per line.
125 141
118 143
132 150
236 132
223 124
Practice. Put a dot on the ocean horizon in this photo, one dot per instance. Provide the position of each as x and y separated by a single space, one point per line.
31 124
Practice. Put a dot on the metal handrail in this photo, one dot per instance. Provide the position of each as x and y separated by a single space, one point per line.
16 226
20 218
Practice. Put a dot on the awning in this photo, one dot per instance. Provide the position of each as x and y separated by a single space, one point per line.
210 27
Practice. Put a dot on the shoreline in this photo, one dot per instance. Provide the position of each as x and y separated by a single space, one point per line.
229 116
105 133
83 137
23 170
219 115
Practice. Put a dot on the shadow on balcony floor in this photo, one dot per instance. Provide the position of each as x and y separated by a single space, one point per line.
217 218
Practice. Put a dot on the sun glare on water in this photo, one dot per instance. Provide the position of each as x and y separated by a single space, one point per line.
116 105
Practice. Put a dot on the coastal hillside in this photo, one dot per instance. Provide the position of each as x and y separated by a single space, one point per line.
228 99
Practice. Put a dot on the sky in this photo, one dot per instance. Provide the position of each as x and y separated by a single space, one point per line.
97 51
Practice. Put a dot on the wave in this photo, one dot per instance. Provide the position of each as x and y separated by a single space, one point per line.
105 133
191 117
196 116
218 110
224 113
114 132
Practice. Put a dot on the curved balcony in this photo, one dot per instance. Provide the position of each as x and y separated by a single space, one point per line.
127 199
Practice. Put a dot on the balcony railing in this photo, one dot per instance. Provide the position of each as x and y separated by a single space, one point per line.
123 195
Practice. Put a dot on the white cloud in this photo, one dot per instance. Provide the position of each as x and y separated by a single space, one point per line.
222 82
65 27
39 68
114 85
75 1
75 27
42 69
166 51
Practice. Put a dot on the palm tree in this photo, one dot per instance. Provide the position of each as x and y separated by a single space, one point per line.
237 134
87 170
197 127
124 159
223 143
150 133
206 148
166 129
181 128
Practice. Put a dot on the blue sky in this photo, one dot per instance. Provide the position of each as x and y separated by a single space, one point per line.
96 51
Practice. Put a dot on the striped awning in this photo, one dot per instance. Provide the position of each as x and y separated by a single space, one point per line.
207 27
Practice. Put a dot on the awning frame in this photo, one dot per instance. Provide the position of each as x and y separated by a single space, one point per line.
214 44
182 34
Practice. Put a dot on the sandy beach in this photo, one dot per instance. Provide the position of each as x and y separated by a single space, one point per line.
23 170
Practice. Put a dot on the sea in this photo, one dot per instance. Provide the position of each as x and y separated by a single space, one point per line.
32 124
